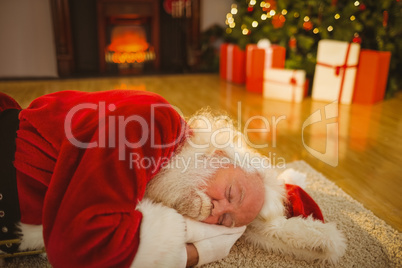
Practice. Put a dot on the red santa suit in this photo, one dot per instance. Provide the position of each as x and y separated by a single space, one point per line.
83 161
86 198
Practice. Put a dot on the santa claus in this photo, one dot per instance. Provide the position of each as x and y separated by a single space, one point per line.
119 179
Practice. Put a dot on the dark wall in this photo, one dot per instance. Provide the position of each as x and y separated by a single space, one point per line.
85 36
173 35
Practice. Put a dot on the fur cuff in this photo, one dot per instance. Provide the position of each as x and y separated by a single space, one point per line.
162 237
31 237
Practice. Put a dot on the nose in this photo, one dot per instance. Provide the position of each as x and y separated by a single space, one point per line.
220 207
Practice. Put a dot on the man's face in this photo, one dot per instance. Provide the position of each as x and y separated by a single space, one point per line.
237 197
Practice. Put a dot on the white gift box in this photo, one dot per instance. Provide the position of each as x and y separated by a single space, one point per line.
335 72
282 84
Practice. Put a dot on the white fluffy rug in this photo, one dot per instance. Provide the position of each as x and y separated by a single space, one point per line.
371 242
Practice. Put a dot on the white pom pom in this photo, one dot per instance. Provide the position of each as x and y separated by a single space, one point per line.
264 43
291 176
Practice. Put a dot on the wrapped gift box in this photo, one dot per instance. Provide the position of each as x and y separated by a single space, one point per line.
282 84
372 76
335 72
232 63
260 58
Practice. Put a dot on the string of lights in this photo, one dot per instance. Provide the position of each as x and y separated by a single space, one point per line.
298 25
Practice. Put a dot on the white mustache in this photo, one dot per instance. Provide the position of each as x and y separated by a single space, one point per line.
196 204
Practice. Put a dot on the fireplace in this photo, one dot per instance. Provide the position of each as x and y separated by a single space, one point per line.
128 32
129 47
85 31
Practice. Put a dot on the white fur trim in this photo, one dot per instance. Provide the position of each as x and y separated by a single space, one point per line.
32 237
274 196
291 176
162 237
306 239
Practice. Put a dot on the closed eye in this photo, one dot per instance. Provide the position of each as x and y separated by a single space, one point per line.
230 194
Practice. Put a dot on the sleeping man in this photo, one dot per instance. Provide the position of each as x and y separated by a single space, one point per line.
120 179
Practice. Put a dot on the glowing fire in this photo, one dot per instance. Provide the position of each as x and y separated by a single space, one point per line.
128 40
129 45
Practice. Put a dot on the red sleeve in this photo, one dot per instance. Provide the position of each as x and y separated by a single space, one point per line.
300 203
90 194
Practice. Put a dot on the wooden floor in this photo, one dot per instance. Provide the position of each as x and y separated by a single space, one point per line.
369 146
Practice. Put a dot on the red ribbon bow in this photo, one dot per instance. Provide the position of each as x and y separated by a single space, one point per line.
338 69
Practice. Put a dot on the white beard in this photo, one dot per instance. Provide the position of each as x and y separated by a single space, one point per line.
181 184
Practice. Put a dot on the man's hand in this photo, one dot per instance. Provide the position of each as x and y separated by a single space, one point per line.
210 242
192 255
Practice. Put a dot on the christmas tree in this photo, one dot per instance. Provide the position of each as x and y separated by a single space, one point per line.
298 25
